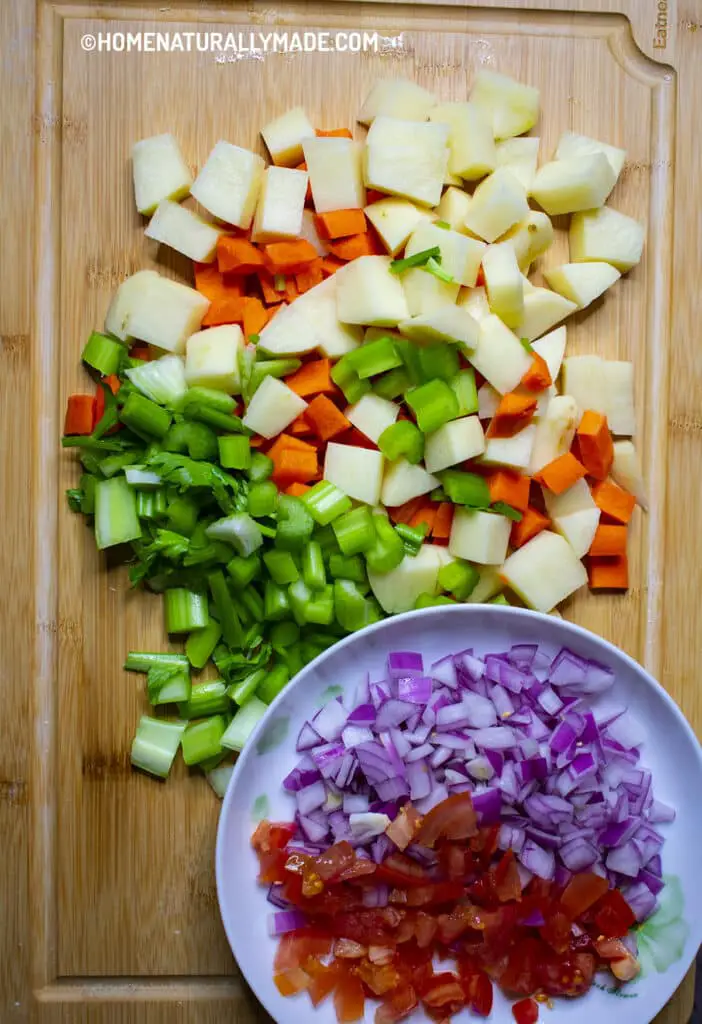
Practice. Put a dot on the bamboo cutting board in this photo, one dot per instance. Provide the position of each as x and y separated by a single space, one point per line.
108 910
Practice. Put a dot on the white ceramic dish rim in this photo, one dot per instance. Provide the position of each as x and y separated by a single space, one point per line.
677 971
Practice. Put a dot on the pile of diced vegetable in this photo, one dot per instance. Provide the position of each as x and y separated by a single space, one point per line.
355 411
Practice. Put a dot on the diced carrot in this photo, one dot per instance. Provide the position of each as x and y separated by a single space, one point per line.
255 316
228 309
354 246
356 439
258 442
615 502
284 441
335 133
532 522
271 296
294 467
538 375
113 383
237 255
595 444
79 414
609 573
609 541
372 196
309 278
296 490
300 426
312 379
289 257
341 223
327 421
480 279
561 474
513 413
510 487
330 265
141 351
301 167
441 529
425 515
211 283
404 513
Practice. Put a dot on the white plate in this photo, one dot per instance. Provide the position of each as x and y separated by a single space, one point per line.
668 941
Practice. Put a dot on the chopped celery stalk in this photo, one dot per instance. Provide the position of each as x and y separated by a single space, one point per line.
310 651
246 360
210 554
206 698
210 398
103 354
201 643
353 611
253 602
503 509
244 690
410 357
355 531
243 724
244 570
325 502
438 494
234 451
228 618
156 745
182 515
219 778
262 499
202 740
412 537
239 530
299 596
73 497
433 403
442 224
500 599
459 578
343 568
241 610
142 661
210 763
145 417
374 357
114 464
168 686
528 347
463 387
282 567
430 601
272 368
292 659
201 413
276 680
197 439
275 602
184 610
419 259
326 538
87 499
162 380
388 550
142 479
320 608
402 440
284 634
261 467
313 566
439 361
344 375
116 519
295 524
393 384
466 488
432 266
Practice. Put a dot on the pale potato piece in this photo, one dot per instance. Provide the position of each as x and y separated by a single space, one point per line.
572 146
499 356
396 591
475 302
567 186
454 442
358 472
460 256
512 107
165 313
504 283
554 431
309 232
453 208
488 401
403 481
228 184
471 142
425 293
530 237
281 203
396 97
487 586
407 158
372 414
544 572
283 136
608 235
498 203
212 358
514 452
273 407
367 292
574 515
395 220
160 172
520 156
543 309
311 322
582 283
551 348
124 300
626 471
446 324
335 169
607 386
183 230
478 536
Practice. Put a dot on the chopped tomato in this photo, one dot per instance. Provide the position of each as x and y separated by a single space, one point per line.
359 869
582 892
567 975
290 982
404 828
332 864
454 818
398 869
349 999
271 836
557 931
479 994
444 990
296 948
521 972
380 978
458 921
456 861
425 928
526 1011
397 1005
323 979
434 895
272 866
505 879
613 915
368 927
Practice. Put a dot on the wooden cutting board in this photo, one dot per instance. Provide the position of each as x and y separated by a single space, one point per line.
108 908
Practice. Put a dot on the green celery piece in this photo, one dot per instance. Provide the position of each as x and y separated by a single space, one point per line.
355 531
353 611
87 483
244 690
430 601
201 413
433 403
228 618
412 536
392 384
319 610
253 603
275 602
465 390
299 596
503 509
243 724
419 259
202 740
388 550
156 744
197 439
211 763
344 375
116 520
271 368
142 479
466 488
219 778
208 697
182 514
310 651
234 451
89 460
291 657
528 347
111 465
103 354
246 360
374 357
282 567
201 643
144 417
168 685
244 570
326 502
239 530
499 599
313 571
439 361
110 415
284 634
261 468
216 400
262 499
433 266
326 538
410 357
277 678
402 439
295 524
142 661
438 494
342 567
74 496
184 610
459 578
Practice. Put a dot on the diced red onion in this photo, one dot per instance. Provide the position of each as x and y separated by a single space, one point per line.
285 921
488 806
352 735
414 689
660 812
626 860
522 655
392 789
308 738
393 713
498 737
440 756
480 768
312 830
537 860
364 714
578 854
330 720
419 753
404 663
375 895
444 672
419 780
311 797
437 796
641 900
276 899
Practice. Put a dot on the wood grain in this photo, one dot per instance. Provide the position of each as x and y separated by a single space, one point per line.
122 923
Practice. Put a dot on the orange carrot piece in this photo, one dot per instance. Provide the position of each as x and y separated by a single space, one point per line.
330 265
532 522
309 278
613 501
354 246
561 474
289 257
255 316
140 351
609 541
327 421
284 441
79 415
237 255
341 223
271 296
296 490
211 283
113 383
372 196
510 487
294 467
538 375
595 444
335 133
609 573
355 438
441 530
228 309
300 426
404 513
258 442
426 515
513 413
312 379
